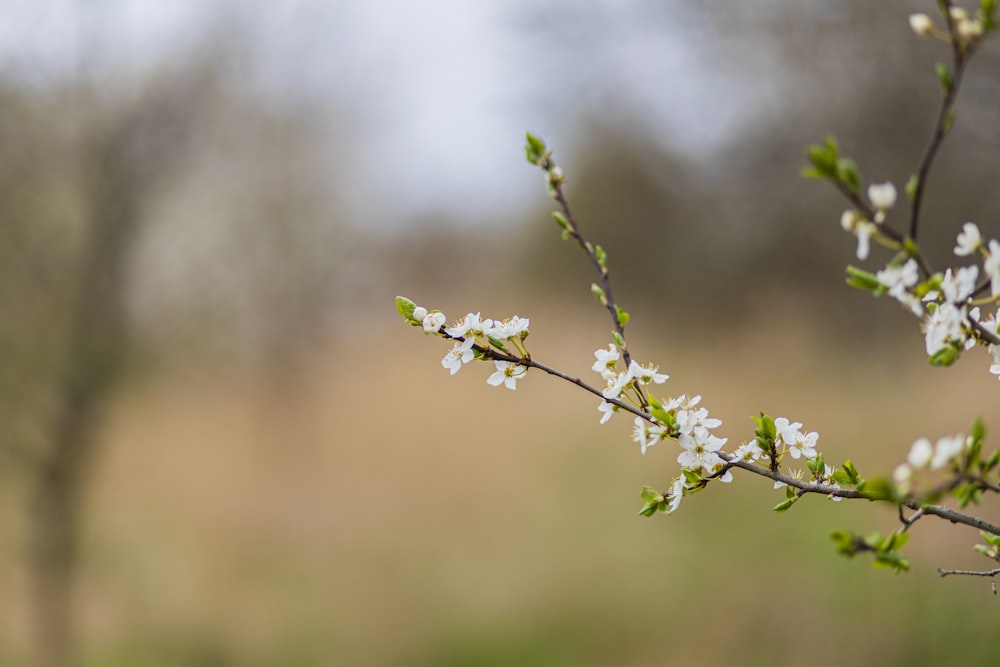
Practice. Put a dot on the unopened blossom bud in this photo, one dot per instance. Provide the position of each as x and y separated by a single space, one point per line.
882 196
921 24
969 29
419 313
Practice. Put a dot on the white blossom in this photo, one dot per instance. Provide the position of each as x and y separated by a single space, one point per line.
606 361
943 326
861 228
511 327
676 493
898 279
958 286
607 410
991 266
507 374
920 454
647 374
646 434
432 322
749 451
460 353
882 195
969 240
617 384
946 450
470 324
699 452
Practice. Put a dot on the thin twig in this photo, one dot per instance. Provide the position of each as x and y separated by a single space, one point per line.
960 57
969 573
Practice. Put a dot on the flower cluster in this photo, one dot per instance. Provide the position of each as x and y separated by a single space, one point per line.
476 338
625 384
969 30
945 302
925 456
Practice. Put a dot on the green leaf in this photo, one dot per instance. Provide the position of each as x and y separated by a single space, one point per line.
617 337
622 316
852 472
785 504
878 488
990 538
892 561
945 356
845 542
823 158
766 426
405 307
911 186
862 279
988 14
978 429
495 342
650 508
812 173
649 493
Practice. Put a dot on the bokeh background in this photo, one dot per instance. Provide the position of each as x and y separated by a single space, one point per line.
220 446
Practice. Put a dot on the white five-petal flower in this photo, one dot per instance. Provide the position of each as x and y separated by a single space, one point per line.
507 374
460 353
969 240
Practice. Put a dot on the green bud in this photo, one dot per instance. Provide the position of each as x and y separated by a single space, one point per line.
602 258
534 149
561 219
848 174
622 316
978 429
598 293
944 77
911 186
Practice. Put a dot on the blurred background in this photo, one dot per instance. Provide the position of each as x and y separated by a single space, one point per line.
219 445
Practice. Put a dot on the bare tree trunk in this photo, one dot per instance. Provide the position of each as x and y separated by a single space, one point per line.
97 339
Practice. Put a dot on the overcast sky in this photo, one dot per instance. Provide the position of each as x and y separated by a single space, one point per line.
443 90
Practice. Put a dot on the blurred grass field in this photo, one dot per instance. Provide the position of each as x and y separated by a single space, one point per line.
380 512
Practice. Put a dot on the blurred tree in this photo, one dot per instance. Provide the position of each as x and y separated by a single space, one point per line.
124 153
156 203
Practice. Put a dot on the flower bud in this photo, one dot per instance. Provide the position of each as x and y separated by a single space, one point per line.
921 24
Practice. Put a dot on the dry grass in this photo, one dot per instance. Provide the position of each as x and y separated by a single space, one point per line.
383 513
